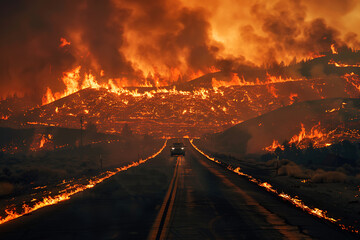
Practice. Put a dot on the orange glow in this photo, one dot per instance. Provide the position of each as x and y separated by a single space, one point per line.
64 42
69 191
48 97
42 142
197 74
337 64
275 144
293 97
213 69
225 101
315 55
71 81
4 117
200 73
320 137
146 84
271 88
316 135
237 81
333 49
353 79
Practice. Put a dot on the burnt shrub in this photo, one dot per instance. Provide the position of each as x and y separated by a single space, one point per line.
328 177
344 153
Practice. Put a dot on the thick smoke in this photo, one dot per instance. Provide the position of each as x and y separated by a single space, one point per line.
161 40
287 33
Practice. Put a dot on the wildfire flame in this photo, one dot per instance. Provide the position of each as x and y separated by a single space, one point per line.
226 103
72 80
333 49
73 83
316 134
353 79
236 81
70 190
293 97
4 117
42 142
338 64
64 42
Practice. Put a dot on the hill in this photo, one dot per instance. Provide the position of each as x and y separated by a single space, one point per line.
321 122
177 113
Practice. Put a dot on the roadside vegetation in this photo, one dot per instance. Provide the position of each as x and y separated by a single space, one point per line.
26 170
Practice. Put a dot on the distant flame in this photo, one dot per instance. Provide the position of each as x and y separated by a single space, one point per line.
64 42
320 137
316 134
293 97
338 64
237 81
333 49
42 142
353 79
4 117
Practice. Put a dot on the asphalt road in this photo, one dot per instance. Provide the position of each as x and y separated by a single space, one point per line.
122 207
172 198
213 203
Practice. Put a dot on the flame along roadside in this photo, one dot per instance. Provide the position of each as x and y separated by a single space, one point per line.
322 214
70 191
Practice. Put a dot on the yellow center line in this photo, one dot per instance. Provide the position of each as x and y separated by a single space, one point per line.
159 228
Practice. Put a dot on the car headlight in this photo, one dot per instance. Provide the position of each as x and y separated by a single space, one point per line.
182 148
172 148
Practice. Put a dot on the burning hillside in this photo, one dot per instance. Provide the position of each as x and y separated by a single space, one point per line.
172 112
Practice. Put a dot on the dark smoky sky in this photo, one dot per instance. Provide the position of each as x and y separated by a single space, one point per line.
135 39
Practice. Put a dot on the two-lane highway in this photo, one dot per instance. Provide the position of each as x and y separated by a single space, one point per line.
172 198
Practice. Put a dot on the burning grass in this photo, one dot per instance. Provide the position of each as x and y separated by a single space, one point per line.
82 170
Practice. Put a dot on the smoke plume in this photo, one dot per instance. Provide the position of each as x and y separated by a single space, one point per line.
160 41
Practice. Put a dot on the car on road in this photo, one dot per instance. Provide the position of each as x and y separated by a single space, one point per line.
177 149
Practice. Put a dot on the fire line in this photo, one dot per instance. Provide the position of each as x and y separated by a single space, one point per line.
322 214
72 190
